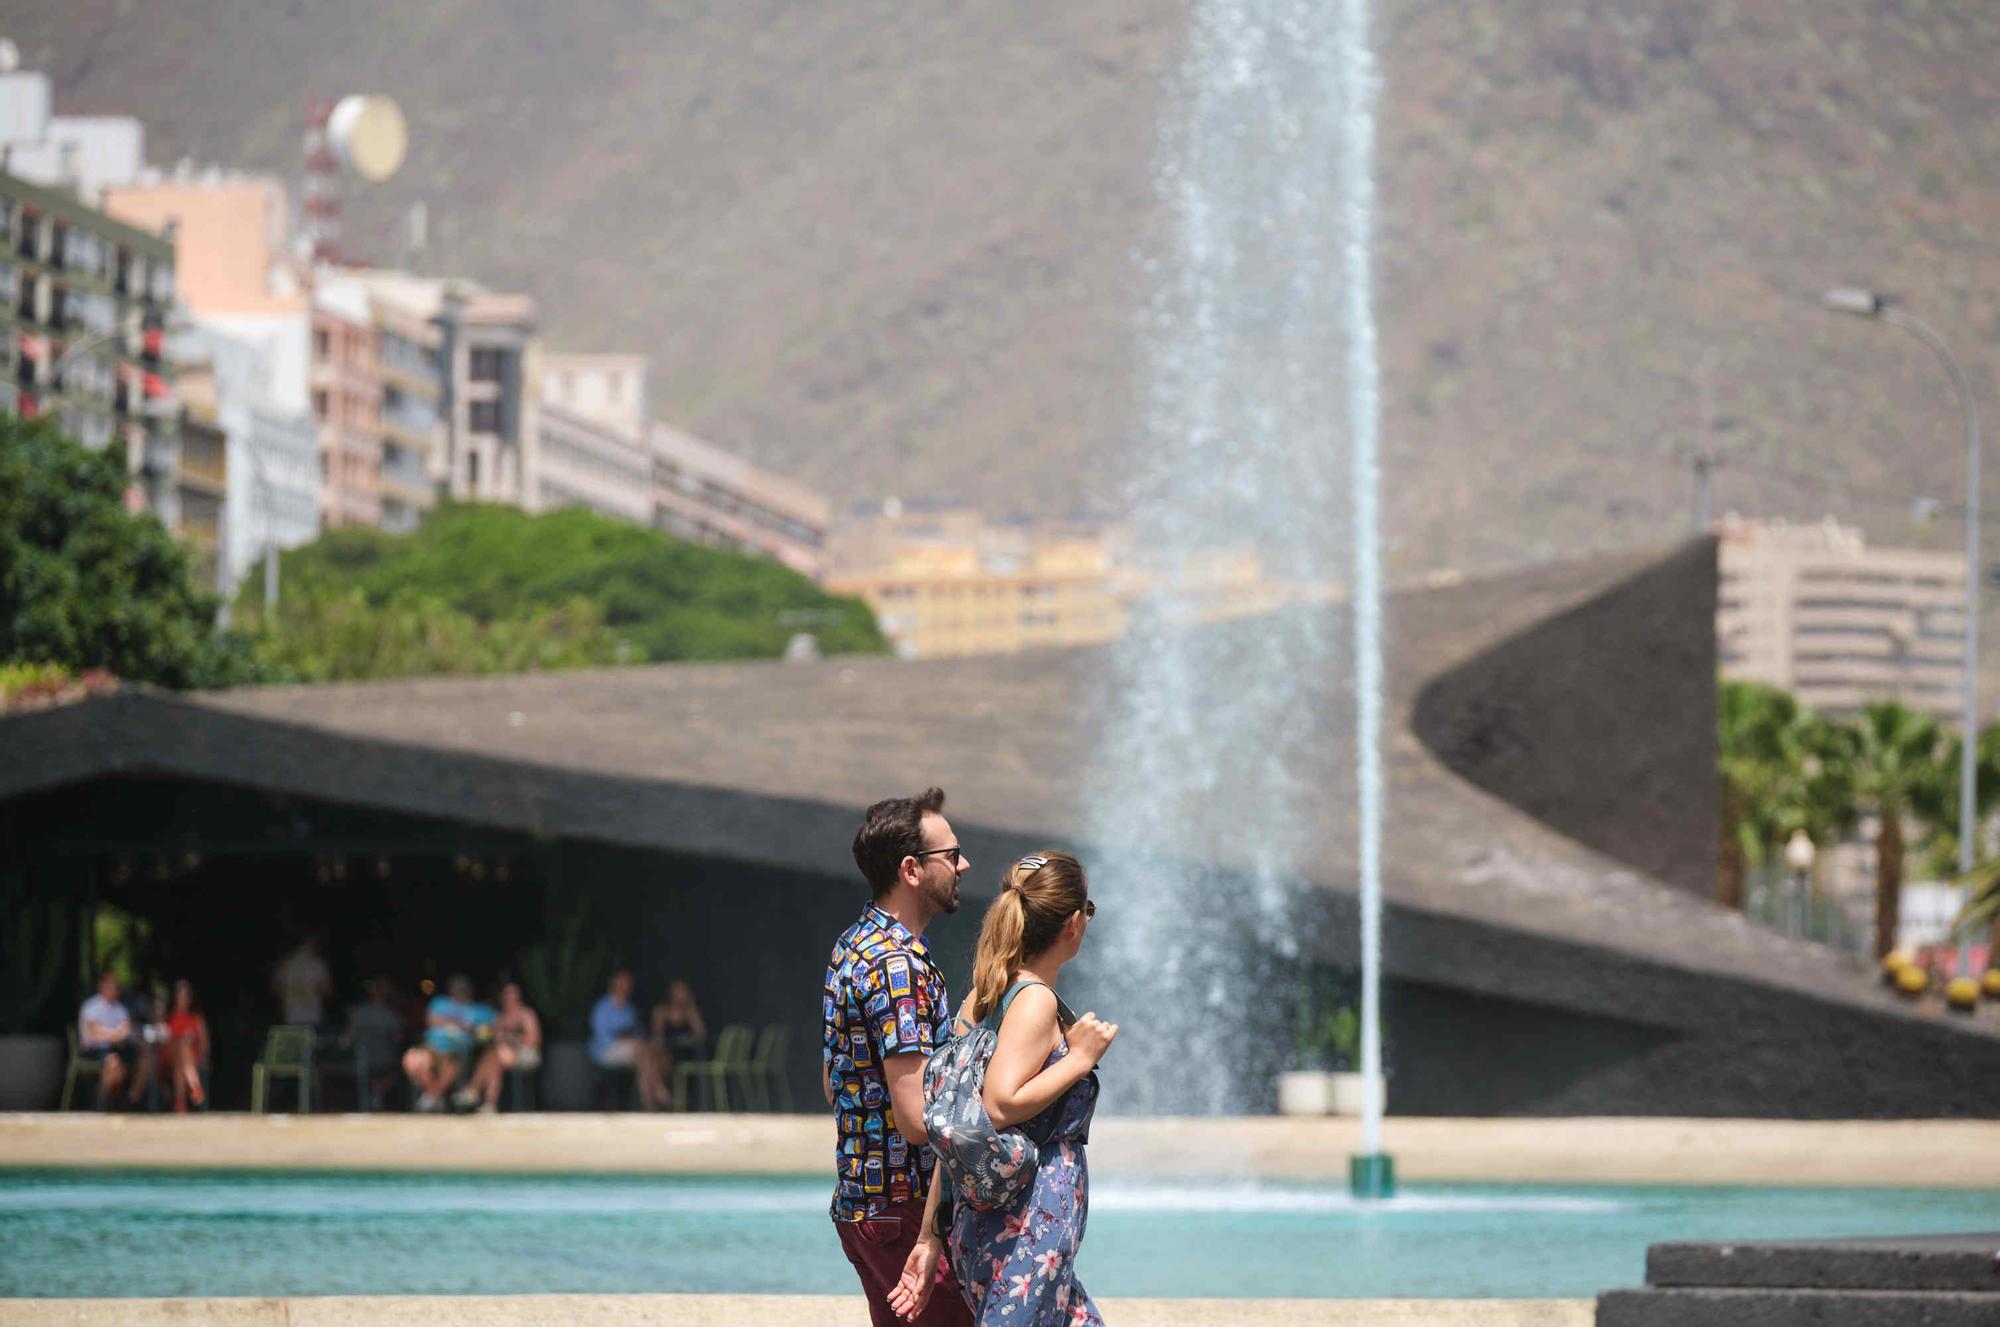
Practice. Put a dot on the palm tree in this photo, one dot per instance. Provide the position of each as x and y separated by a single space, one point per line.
1756 738
1897 760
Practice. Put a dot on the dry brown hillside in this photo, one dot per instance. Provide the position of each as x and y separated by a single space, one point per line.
890 246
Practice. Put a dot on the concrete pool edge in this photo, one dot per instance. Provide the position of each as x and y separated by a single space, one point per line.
760 1311
1929 1154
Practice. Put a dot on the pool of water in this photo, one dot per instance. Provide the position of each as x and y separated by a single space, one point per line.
71 1233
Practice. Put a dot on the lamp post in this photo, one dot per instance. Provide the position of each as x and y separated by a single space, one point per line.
1869 304
1799 854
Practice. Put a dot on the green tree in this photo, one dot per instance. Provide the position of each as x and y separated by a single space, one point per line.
1898 759
323 635
87 584
655 598
1759 731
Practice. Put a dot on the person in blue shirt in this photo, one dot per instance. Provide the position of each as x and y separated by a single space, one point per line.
434 1064
617 1041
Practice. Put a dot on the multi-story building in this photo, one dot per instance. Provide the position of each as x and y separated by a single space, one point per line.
251 321
1815 610
488 351
346 386
945 582
85 301
408 342
703 493
202 478
590 445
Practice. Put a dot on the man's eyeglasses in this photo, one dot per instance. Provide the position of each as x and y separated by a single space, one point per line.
1089 909
951 855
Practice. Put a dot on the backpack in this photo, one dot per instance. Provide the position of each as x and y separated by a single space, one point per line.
986 1167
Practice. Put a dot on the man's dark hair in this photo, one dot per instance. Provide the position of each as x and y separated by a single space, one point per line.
891 830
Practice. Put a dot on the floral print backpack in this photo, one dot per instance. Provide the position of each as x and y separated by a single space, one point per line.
986 1167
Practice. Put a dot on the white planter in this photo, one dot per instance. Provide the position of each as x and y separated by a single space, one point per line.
1315 1092
31 1072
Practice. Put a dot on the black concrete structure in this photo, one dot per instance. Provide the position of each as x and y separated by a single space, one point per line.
1927 1280
1549 944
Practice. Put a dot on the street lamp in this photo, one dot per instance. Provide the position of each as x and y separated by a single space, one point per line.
1869 304
1799 854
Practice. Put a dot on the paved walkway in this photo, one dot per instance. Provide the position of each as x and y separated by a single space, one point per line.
1923 1153
760 1311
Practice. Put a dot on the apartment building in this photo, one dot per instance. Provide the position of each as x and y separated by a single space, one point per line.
1815 610
202 481
85 301
704 494
250 320
945 582
409 342
591 448
346 387
489 352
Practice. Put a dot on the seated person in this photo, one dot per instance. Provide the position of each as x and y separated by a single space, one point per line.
616 1043
678 1030
105 1033
186 1047
375 1032
517 1044
434 1064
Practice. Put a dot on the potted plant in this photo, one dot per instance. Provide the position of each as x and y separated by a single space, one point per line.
1323 1081
32 944
562 979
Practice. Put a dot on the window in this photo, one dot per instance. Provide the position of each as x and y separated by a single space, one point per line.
485 416
322 344
486 365
319 402
472 471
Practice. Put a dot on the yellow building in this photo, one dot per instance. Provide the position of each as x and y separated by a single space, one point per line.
947 584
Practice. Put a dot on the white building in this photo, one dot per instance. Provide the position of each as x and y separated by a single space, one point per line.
82 153
274 468
1814 610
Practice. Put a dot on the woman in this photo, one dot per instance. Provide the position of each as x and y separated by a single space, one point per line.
186 1048
679 1034
1017 1264
517 1044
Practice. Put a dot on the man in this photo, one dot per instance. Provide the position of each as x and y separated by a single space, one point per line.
434 1065
618 1042
884 1011
105 1033
301 982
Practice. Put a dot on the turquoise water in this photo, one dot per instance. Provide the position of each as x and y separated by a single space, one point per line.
70 1233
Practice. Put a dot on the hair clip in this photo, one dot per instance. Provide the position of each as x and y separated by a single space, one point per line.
1033 862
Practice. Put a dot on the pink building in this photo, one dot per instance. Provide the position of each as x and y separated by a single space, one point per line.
346 382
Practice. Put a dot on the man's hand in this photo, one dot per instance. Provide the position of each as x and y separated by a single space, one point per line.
913 1289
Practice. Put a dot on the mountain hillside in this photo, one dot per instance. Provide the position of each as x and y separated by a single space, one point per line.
896 248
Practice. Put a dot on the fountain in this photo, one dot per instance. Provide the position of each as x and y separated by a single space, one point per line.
1260 345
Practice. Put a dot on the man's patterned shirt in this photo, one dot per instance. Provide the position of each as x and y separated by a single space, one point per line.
883 997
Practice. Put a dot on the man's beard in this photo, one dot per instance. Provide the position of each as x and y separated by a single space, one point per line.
944 896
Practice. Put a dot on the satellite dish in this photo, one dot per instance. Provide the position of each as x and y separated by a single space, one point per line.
368 136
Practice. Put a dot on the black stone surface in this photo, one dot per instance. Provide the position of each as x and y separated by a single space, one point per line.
1795 1308
1918 1262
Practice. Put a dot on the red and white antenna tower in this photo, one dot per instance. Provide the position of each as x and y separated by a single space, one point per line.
319 202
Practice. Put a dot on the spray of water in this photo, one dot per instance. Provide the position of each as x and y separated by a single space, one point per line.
1260 348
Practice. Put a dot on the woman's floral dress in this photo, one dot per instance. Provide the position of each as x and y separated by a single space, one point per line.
1017 1264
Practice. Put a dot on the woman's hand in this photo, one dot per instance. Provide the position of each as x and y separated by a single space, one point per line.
913 1289
1089 1037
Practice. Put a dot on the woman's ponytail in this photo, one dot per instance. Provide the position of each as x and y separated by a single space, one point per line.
1037 896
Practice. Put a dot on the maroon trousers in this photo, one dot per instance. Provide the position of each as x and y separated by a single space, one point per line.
878 1248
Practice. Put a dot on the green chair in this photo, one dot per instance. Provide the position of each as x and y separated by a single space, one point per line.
288 1053
79 1067
731 1059
764 1076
